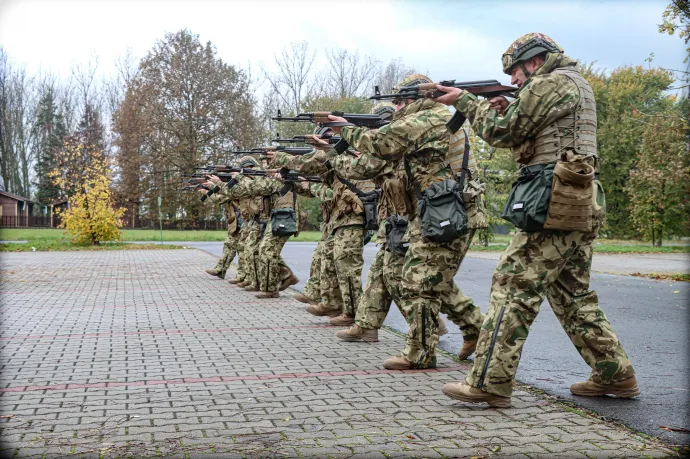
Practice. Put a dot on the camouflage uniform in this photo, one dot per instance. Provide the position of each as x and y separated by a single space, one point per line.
418 133
231 244
346 225
270 268
551 264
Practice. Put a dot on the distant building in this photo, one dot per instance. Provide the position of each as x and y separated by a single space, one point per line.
14 209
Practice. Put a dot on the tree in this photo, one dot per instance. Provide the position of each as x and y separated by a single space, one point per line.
293 81
349 75
658 185
395 71
676 17
49 133
619 96
90 217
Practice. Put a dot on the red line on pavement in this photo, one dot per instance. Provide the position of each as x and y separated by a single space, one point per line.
124 306
159 332
172 382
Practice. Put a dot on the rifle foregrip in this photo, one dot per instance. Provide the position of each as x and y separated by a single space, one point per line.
203 197
455 123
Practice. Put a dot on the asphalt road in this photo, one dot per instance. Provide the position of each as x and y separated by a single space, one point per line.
650 317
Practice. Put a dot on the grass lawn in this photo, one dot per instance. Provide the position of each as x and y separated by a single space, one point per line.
43 245
49 237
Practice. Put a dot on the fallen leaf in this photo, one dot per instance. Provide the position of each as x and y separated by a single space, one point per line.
496 449
410 436
8 416
675 429
676 291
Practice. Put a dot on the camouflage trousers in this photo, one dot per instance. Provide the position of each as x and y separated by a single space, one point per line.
348 258
312 288
230 249
272 267
328 281
380 290
250 239
555 265
428 288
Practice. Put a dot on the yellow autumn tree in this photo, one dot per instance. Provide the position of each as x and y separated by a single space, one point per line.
83 176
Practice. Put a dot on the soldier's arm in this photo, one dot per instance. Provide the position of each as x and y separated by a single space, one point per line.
311 163
392 141
322 191
544 100
363 167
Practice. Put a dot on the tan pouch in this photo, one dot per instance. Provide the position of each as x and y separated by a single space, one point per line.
570 206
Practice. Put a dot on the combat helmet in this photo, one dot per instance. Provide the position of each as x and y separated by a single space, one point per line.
321 130
383 109
410 80
525 48
248 161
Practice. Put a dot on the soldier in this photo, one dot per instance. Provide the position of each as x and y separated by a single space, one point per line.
418 141
343 248
231 244
551 128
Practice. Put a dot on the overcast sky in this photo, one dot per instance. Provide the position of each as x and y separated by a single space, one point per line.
460 40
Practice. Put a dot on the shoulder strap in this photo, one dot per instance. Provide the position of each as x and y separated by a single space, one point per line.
465 161
411 180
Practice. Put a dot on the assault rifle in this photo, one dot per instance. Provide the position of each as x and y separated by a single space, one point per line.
225 173
358 119
262 150
332 140
483 88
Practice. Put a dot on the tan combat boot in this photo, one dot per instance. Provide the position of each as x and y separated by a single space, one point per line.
243 284
213 271
302 298
322 309
399 362
467 349
623 389
342 319
467 393
357 333
267 295
442 329
292 280
235 281
249 288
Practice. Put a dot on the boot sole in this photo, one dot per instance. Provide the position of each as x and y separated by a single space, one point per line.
495 403
324 314
620 393
365 340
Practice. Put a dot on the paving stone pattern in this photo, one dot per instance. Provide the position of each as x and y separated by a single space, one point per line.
140 353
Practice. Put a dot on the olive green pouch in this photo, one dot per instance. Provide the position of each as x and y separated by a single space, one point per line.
528 203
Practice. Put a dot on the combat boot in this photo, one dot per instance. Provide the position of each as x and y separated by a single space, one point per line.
357 333
302 298
342 319
213 271
322 309
292 280
467 349
250 288
467 393
235 281
399 362
244 284
623 389
442 328
263 295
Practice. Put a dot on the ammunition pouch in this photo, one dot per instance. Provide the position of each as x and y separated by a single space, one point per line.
442 212
370 203
572 191
262 227
396 228
528 202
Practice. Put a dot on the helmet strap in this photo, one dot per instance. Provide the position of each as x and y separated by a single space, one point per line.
524 69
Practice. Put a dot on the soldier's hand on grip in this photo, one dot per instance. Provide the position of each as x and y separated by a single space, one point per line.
451 96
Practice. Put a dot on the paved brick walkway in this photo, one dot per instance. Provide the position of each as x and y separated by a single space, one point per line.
140 353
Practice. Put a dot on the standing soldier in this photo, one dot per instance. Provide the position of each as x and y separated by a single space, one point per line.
417 141
551 129
231 244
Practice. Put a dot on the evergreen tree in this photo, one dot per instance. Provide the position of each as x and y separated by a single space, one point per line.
49 133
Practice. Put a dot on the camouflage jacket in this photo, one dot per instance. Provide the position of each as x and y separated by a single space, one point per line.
418 133
266 187
231 208
543 99
346 209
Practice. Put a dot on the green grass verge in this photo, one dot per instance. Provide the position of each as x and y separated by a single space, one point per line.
683 277
66 246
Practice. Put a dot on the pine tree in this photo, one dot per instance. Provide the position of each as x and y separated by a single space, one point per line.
49 132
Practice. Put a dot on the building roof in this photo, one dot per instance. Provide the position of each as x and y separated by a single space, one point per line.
15 196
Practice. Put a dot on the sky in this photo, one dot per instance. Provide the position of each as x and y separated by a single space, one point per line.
461 40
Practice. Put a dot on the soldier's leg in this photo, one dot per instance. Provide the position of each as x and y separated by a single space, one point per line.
530 263
460 309
332 303
427 274
270 262
393 265
348 257
312 289
218 269
251 254
241 239
577 308
374 304
231 247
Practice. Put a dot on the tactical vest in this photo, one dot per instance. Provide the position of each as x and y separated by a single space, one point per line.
250 208
231 217
576 132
